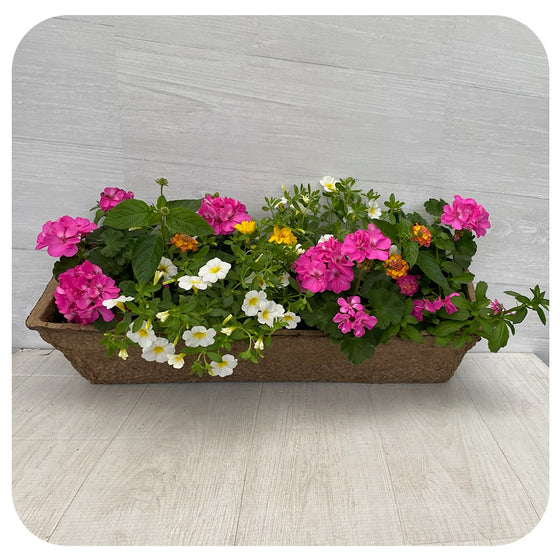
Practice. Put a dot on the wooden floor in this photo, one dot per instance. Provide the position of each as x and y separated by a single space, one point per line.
465 462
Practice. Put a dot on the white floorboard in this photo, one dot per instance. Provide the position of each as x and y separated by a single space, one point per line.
461 463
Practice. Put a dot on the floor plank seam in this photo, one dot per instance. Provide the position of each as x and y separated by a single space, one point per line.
249 453
95 463
529 500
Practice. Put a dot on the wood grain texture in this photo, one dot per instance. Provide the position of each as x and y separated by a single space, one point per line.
419 106
464 463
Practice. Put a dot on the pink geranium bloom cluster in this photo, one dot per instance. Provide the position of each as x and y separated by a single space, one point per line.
465 213
111 196
366 244
353 317
62 236
324 267
420 305
223 213
81 291
408 284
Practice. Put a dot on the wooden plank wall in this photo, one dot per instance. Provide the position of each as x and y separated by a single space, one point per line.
419 106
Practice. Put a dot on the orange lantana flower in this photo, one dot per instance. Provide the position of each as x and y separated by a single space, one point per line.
396 266
184 242
422 235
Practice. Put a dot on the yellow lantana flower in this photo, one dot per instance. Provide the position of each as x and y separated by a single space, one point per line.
283 236
245 227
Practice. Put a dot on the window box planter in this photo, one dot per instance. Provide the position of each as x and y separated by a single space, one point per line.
297 355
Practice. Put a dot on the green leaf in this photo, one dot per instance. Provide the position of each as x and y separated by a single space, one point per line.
541 315
388 307
452 267
463 278
431 269
413 334
465 249
519 315
128 213
410 252
183 220
146 256
480 291
386 228
189 203
434 206
499 337
65 263
357 349
446 328
443 340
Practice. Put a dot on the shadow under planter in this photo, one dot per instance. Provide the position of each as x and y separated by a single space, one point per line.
297 355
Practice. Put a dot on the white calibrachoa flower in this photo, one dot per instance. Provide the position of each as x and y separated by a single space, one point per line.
199 336
325 237
259 343
194 282
176 360
291 320
284 279
328 184
252 302
123 354
214 270
163 316
299 249
269 311
158 351
225 367
394 250
118 302
166 270
373 210
144 336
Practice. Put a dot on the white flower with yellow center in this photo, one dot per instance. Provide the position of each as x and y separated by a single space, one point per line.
269 312
117 302
194 282
144 336
166 269
373 210
199 336
214 270
291 320
252 302
158 351
225 367
328 184
176 360
284 279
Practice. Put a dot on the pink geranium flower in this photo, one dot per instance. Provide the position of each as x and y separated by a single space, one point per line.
447 305
111 196
366 244
434 305
417 308
223 213
81 291
324 267
62 236
465 213
353 317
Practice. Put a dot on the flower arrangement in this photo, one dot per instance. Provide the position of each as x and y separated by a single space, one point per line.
193 278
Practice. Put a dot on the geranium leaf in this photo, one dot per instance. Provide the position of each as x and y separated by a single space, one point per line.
357 349
431 269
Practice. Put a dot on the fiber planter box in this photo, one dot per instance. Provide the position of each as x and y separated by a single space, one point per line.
297 355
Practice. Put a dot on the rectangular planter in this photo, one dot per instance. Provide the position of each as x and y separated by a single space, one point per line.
295 355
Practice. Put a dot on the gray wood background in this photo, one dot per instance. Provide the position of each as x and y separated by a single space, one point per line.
419 106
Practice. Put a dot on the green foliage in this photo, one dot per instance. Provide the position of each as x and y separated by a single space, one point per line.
128 213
